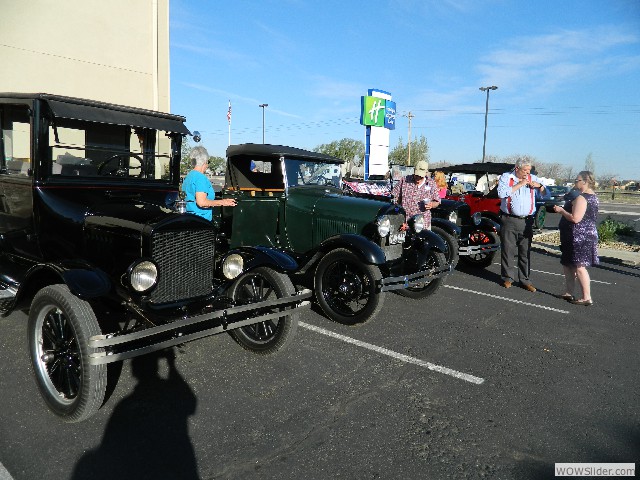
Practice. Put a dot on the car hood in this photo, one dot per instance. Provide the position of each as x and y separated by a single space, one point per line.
351 209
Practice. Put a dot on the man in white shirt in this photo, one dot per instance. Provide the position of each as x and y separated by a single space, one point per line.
517 191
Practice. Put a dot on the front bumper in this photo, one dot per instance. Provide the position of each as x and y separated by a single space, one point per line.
119 347
413 279
465 249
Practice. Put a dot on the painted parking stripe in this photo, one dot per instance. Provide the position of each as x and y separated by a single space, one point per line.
562 275
506 299
398 356
4 475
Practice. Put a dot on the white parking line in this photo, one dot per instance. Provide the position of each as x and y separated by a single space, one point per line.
562 275
398 356
4 475
506 299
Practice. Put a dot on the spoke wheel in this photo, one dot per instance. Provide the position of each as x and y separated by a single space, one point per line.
268 336
435 261
346 288
541 216
60 325
481 260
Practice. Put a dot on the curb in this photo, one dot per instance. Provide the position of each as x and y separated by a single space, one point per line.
604 258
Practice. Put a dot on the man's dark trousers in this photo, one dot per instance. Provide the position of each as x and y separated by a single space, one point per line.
515 236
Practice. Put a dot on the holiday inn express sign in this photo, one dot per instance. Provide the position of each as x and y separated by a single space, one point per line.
378 115
378 112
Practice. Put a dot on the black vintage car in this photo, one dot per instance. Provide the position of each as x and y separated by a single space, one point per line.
92 247
351 251
472 239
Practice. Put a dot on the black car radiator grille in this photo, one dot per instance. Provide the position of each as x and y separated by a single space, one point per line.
185 264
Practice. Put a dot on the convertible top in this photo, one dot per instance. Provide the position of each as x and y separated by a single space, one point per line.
482 168
266 150
102 112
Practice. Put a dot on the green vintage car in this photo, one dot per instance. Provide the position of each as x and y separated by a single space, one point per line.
351 251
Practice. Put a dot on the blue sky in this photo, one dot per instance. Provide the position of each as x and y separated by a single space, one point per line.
568 74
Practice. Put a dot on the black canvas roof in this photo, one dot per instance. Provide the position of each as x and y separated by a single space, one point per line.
481 168
267 150
102 112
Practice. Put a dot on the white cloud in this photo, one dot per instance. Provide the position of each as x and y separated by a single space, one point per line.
543 62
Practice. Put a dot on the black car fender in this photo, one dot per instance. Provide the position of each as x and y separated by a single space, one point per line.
83 281
448 226
489 225
428 240
362 247
262 256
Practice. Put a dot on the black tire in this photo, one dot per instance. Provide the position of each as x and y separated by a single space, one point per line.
60 325
435 260
346 289
452 254
269 336
481 260
540 218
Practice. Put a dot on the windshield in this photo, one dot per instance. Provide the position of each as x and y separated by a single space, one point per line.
306 172
90 149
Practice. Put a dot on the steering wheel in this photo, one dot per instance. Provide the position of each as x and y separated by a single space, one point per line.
121 169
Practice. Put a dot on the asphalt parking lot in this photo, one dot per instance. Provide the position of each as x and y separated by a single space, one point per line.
476 382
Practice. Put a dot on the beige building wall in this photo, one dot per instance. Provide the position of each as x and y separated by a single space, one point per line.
115 51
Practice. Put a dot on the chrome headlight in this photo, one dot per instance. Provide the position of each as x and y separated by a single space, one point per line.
453 217
476 218
232 266
143 276
384 225
417 223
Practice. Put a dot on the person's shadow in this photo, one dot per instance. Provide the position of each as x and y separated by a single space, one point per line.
147 435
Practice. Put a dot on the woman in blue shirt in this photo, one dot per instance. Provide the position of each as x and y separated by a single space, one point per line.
198 190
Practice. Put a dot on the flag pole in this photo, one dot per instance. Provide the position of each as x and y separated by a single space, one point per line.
229 120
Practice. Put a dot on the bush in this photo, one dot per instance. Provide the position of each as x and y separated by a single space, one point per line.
609 230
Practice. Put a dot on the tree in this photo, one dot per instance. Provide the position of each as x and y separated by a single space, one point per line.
345 149
185 160
217 164
589 164
419 151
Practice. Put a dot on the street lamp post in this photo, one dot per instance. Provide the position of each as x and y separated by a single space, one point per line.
262 106
486 113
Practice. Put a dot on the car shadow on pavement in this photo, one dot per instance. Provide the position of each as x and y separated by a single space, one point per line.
147 435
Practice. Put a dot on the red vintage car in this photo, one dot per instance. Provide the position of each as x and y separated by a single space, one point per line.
484 198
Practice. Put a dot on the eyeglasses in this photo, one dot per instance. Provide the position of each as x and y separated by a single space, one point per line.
578 180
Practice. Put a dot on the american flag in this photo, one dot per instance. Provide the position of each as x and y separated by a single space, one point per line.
229 113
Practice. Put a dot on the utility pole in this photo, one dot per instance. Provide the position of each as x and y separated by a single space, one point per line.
486 113
409 116
262 106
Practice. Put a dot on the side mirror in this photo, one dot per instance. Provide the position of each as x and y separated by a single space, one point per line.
196 136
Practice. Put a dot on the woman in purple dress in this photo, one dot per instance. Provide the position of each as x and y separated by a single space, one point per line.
579 238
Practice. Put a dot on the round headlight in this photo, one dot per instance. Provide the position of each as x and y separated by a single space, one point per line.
232 266
453 216
476 218
417 223
143 276
384 225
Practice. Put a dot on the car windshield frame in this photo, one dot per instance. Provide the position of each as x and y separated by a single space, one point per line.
301 172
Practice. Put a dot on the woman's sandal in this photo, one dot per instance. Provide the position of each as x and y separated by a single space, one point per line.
586 303
565 296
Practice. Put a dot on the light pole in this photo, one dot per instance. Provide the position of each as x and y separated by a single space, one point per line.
486 112
262 106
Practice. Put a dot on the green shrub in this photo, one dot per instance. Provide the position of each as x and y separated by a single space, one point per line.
609 229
